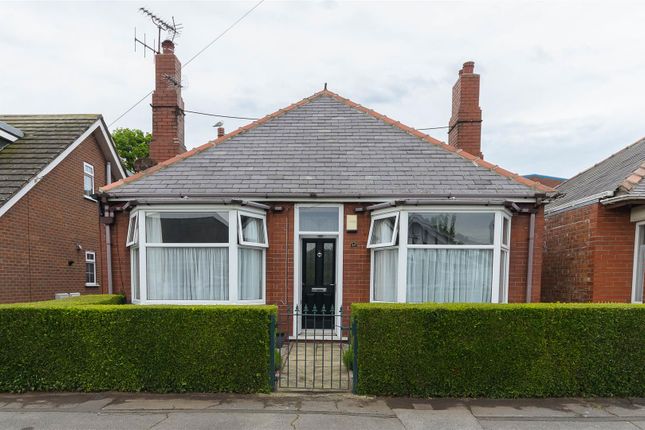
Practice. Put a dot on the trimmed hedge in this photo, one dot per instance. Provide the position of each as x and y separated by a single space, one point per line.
89 347
468 350
88 299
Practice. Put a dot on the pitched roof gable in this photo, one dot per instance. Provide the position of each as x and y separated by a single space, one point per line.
356 130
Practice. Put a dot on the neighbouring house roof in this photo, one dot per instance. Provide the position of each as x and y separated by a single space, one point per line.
616 177
549 181
45 139
325 146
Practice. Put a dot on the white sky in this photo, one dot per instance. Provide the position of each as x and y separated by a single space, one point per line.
563 83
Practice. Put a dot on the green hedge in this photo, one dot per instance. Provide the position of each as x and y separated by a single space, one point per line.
535 350
89 347
88 299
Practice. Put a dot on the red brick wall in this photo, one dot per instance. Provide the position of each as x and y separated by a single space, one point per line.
588 255
40 232
356 258
613 259
518 265
120 254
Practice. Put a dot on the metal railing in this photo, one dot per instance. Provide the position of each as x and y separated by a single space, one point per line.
313 345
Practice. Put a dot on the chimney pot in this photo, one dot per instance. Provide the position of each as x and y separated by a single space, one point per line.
167 47
220 131
469 67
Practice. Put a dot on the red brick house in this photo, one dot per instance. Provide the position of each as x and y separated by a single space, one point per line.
324 202
51 240
595 233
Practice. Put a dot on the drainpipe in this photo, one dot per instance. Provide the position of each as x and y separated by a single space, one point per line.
529 272
108 236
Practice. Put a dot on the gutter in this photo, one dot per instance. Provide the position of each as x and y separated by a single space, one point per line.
580 202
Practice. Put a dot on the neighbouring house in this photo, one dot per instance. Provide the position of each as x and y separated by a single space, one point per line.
549 181
51 240
595 233
324 203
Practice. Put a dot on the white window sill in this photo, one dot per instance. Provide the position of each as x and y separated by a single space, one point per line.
92 285
90 198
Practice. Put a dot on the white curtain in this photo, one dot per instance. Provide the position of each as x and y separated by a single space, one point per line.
134 264
385 274
252 229
153 228
449 275
383 230
187 273
250 273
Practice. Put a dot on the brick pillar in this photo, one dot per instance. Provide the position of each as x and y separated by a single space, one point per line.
167 106
465 130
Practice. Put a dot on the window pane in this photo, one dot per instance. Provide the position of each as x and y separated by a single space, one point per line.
88 185
177 227
503 276
187 273
505 231
134 264
90 268
250 273
385 274
329 264
451 228
449 275
319 219
88 168
252 229
133 230
310 264
640 265
382 230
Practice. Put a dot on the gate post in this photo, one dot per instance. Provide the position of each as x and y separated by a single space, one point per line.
272 353
355 348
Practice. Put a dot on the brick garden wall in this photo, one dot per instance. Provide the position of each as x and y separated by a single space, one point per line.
38 255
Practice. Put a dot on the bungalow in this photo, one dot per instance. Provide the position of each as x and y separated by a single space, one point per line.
51 240
595 233
324 203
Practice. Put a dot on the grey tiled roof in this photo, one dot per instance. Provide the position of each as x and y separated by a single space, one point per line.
605 176
324 148
45 137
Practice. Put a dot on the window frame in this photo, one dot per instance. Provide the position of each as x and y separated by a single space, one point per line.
93 261
499 291
637 239
395 232
91 175
245 243
232 245
132 238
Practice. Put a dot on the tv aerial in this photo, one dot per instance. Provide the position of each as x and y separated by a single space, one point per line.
171 28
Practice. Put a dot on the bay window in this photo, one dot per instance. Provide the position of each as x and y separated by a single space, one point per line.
440 256
197 256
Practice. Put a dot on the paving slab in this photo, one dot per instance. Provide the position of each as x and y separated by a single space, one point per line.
458 418
556 425
209 421
343 422
36 420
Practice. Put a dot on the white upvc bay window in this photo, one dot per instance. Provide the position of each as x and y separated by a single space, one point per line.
440 255
197 255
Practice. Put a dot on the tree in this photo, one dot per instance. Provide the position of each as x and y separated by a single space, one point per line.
132 145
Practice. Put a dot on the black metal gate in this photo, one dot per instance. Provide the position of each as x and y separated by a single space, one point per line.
312 350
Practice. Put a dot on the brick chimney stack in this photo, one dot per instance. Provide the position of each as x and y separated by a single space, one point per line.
167 106
220 131
465 130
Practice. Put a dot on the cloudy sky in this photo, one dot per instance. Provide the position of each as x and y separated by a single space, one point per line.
562 82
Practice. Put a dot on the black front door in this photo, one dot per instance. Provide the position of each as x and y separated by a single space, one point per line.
318 282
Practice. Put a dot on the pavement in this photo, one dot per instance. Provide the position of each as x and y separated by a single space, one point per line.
69 411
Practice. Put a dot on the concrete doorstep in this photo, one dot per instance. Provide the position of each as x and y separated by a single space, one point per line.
100 411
